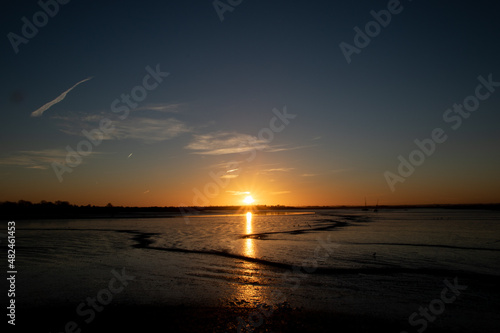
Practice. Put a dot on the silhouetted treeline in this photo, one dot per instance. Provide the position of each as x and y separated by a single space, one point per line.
63 209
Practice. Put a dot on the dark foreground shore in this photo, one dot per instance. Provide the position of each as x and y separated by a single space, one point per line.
202 319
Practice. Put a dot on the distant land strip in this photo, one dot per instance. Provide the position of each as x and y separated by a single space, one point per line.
64 210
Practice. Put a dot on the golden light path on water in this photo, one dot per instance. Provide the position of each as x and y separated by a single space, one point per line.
249 290
249 250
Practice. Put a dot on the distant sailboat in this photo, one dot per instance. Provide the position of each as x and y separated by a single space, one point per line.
365 209
376 207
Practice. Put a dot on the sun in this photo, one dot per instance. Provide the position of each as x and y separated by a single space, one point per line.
248 200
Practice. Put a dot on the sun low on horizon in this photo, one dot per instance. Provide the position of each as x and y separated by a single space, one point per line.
248 200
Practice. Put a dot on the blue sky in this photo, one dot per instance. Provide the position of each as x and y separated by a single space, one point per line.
352 120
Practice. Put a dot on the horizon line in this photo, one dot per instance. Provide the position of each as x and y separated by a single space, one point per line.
109 205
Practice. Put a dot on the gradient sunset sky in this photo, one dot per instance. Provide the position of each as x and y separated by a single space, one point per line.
209 131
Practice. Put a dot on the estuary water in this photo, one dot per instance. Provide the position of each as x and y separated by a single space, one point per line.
386 264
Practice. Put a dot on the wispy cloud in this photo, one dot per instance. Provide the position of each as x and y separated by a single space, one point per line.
228 176
146 129
37 159
279 192
149 130
277 170
161 107
221 143
237 192
324 173
280 148
226 166
40 111
40 159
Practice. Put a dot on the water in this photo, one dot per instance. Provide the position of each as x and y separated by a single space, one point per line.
386 264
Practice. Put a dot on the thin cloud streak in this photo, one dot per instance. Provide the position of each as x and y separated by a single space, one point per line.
222 143
280 192
229 176
277 149
40 111
37 159
277 170
148 130
324 173
237 192
164 107
34 159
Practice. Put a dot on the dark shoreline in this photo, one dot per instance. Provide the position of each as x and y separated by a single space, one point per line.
25 210
168 318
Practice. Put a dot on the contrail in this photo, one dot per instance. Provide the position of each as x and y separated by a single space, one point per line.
41 110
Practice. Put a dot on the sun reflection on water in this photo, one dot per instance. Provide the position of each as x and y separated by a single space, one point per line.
249 290
249 250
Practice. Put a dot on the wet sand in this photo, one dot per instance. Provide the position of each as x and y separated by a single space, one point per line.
188 278
199 319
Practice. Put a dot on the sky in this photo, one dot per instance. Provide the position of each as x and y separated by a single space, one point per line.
182 103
